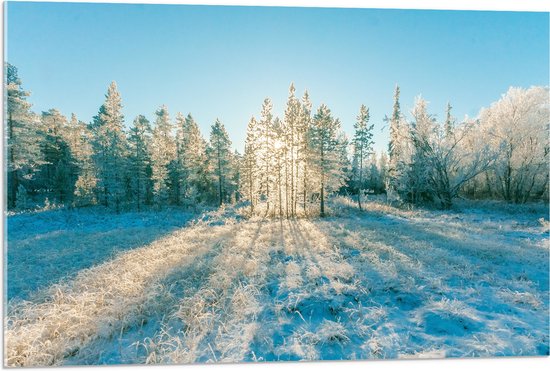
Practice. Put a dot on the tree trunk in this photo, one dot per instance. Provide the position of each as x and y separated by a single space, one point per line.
280 189
295 191
286 188
220 180
14 184
360 178
293 211
12 200
305 189
322 198
251 191
446 200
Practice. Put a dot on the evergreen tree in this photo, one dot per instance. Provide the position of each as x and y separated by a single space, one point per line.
326 153
423 135
362 147
303 150
394 147
373 183
234 176
249 165
221 152
139 142
383 169
22 146
163 156
58 173
291 125
191 160
81 170
110 149
265 147
449 121
278 157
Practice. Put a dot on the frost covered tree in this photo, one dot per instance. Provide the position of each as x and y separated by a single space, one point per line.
362 148
326 153
382 165
110 150
192 161
234 176
163 156
279 158
264 152
59 172
279 165
22 145
395 151
454 162
517 128
303 153
249 183
449 121
423 131
443 160
78 138
221 159
373 181
140 172
292 140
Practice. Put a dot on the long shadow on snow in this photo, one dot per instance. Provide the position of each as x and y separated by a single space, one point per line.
126 347
304 309
46 247
449 328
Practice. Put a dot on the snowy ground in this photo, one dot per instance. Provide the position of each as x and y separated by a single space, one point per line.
383 283
47 246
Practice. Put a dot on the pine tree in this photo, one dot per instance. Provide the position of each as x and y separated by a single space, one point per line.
362 146
265 146
383 170
278 157
110 149
234 177
373 174
22 198
303 150
221 152
423 134
449 121
23 151
394 147
163 156
81 171
326 152
60 169
249 166
139 142
291 124
192 160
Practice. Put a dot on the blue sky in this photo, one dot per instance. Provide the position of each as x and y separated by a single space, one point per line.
223 61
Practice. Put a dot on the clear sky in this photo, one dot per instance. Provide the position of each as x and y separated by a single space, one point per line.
223 61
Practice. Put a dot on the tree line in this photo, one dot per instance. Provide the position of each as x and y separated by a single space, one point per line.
290 164
503 154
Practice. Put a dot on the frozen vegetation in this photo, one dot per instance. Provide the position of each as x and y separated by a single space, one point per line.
137 241
223 287
63 242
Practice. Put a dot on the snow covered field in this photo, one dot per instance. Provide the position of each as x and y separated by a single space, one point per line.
384 283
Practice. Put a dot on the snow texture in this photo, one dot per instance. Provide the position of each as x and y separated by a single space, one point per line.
382 283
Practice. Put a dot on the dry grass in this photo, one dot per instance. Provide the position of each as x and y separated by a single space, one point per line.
100 301
384 283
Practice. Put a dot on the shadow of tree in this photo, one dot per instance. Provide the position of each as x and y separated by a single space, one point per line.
53 245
